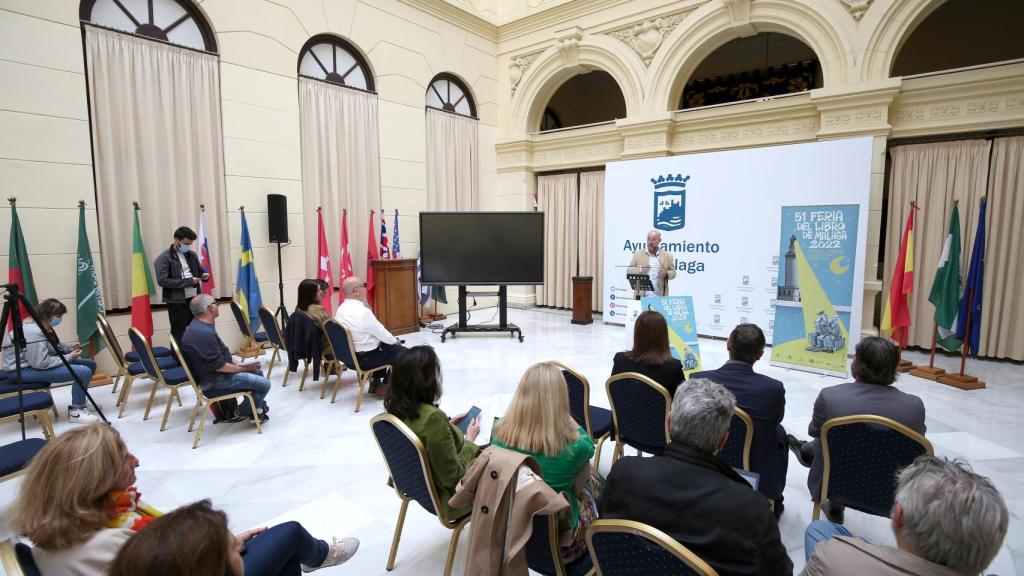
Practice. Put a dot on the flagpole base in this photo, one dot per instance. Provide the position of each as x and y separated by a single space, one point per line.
927 372
905 366
100 379
963 382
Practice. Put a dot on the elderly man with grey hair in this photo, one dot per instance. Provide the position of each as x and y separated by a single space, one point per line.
211 362
947 521
689 493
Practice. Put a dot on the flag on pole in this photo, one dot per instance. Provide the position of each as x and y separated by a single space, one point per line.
385 254
247 292
424 291
142 281
323 259
204 254
396 251
346 256
19 271
371 255
896 317
973 290
945 293
87 292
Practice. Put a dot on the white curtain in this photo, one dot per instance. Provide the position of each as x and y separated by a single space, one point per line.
156 130
591 237
340 168
453 162
557 195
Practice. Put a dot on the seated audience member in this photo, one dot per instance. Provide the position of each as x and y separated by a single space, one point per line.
651 355
874 369
415 391
947 520
538 424
691 495
211 363
310 296
79 505
764 399
40 362
375 346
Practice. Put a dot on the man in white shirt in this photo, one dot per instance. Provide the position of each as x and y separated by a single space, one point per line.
375 346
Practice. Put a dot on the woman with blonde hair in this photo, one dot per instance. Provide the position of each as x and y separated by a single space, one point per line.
538 424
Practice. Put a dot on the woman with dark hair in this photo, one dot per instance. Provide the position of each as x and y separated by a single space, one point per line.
415 391
40 361
651 355
310 296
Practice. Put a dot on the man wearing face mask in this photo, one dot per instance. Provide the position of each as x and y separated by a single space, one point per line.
178 272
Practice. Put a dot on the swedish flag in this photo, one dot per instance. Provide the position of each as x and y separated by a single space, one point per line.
247 290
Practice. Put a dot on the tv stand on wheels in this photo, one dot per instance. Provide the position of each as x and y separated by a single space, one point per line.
502 325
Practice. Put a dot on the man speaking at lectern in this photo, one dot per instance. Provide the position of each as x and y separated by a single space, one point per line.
655 262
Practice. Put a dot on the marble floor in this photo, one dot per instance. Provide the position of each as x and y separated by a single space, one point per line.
317 462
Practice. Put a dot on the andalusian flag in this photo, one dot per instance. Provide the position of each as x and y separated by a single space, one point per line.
247 292
87 292
896 318
946 289
142 282
18 269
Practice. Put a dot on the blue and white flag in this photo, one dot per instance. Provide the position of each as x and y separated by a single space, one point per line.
424 291
396 251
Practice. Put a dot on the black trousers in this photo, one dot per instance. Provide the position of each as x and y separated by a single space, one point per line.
180 315
384 354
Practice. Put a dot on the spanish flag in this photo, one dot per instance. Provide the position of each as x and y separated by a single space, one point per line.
247 292
896 317
142 282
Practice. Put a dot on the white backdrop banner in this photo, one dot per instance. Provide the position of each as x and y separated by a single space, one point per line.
719 214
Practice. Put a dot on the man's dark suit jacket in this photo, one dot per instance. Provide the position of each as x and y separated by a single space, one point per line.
859 398
694 497
764 399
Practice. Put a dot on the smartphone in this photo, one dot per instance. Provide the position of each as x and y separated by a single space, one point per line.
464 424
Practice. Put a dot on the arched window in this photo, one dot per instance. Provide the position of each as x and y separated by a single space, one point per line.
550 121
583 99
331 59
448 93
175 21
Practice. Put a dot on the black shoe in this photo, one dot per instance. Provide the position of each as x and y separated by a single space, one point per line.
234 419
778 508
263 418
835 514
797 447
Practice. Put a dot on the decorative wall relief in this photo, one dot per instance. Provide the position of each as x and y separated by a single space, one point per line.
517 68
645 38
857 8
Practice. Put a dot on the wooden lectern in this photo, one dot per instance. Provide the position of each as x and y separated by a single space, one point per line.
582 299
395 299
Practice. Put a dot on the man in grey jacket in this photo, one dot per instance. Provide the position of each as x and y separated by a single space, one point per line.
178 272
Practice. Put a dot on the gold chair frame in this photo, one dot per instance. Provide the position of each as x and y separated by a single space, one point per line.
251 349
748 439
337 367
456 525
202 402
556 548
9 560
277 349
107 333
859 419
615 416
43 416
650 534
586 411
158 382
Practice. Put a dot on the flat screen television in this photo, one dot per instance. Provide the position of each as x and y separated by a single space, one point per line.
482 248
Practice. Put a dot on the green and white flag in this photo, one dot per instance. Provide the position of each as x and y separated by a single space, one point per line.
90 301
947 288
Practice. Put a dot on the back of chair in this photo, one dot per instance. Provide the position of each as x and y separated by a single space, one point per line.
270 325
110 339
542 550
640 408
406 459
145 353
862 454
183 361
622 547
736 452
341 342
17 560
241 318
579 392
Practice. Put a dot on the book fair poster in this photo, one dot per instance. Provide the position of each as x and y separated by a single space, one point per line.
682 328
814 300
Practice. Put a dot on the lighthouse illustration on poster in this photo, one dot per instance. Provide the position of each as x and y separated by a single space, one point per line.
817 256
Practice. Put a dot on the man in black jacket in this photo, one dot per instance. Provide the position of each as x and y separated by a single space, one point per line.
178 272
691 495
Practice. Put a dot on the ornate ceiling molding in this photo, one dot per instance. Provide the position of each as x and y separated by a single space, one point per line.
857 8
646 37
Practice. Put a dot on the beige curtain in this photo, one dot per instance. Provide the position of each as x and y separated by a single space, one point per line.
1002 317
453 162
340 168
934 175
156 131
557 195
591 238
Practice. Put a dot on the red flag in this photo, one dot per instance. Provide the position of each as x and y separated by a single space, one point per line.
346 255
896 317
18 269
204 253
324 262
371 255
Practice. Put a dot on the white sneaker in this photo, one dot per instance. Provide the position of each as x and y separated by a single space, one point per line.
81 415
339 553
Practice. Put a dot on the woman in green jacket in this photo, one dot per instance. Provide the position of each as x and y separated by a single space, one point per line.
415 391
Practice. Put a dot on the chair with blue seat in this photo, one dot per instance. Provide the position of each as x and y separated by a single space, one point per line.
130 370
274 336
343 355
170 378
625 547
255 342
34 404
409 468
862 454
640 408
544 555
736 452
14 457
596 420
16 559
9 387
121 358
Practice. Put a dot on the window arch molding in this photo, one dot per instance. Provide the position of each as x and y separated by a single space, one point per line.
450 93
335 60
178 22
